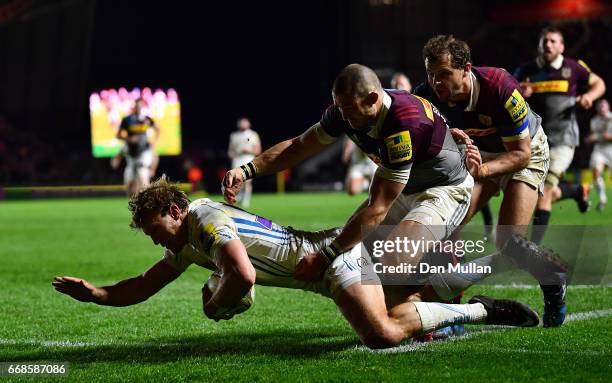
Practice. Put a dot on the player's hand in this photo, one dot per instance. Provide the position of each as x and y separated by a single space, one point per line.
527 89
591 138
210 307
473 160
77 288
115 162
311 267
584 101
460 136
231 184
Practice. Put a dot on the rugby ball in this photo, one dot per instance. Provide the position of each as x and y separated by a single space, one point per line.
243 305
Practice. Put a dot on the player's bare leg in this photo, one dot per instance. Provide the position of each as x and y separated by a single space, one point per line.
354 185
600 186
481 194
516 210
396 290
364 308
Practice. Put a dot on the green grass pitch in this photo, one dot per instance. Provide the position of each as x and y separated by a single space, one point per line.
286 336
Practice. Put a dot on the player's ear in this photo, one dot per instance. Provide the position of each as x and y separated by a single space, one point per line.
174 211
371 98
467 68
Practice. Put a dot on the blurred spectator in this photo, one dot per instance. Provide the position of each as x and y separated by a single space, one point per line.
244 145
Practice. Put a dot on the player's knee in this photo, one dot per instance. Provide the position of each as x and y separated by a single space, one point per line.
383 338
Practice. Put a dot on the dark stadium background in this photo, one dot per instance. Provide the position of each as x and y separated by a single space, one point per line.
273 61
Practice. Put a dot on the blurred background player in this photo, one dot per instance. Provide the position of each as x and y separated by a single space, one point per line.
400 81
361 168
553 84
601 136
244 145
140 134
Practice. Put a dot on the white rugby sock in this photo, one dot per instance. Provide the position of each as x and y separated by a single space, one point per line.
601 189
437 315
449 285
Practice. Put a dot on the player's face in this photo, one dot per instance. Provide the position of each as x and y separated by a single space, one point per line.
603 108
358 111
244 124
446 81
551 46
163 230
138 107
402 83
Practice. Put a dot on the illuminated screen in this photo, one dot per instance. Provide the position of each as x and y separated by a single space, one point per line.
108 107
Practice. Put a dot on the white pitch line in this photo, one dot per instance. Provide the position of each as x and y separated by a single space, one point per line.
409 347
528 287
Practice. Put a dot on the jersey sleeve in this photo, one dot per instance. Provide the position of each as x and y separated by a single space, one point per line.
514 124
583 74
124 124
218 230
256 139
399 142
330 128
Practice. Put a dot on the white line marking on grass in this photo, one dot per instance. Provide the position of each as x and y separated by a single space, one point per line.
586 315
416 346
528 287
409 347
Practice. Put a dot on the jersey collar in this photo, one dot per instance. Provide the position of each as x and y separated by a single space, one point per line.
381 116
474 93
555 64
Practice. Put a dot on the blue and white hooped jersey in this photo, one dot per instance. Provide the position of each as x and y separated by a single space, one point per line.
272 249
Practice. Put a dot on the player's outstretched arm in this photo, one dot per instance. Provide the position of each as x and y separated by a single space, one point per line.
124 293
284 155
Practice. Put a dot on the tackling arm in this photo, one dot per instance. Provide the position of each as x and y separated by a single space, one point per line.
125 293
372 212
281 156
516 157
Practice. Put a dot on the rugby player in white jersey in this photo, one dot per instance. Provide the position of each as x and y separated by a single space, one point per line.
245 249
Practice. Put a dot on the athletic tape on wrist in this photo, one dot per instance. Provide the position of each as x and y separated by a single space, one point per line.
483 171
332 251
249 170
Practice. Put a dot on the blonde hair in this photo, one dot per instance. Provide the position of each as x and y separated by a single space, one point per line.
157 198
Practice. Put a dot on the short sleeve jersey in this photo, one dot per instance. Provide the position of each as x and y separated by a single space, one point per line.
554 96
599 126
272 249
137 126
410 143
496 112
241 141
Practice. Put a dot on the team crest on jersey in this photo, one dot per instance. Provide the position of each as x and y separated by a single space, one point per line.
566 72
485 120
516 106
399 147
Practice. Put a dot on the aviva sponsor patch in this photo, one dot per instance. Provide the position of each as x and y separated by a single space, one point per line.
399 147
516 106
